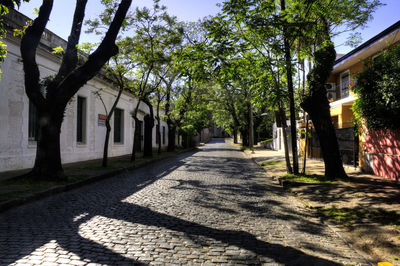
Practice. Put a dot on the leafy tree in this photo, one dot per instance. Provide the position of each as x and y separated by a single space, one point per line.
263 26
322 18
276 26
58 91
378 91
119 70
191 63
169 80
155 33
5 6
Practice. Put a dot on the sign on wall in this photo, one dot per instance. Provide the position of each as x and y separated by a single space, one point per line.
101 121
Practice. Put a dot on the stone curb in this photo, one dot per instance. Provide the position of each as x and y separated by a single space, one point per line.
64 188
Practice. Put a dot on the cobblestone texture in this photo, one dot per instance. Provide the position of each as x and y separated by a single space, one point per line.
209 207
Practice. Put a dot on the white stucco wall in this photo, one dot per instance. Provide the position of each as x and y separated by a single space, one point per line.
17 152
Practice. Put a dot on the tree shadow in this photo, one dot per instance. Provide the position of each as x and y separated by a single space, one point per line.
62 218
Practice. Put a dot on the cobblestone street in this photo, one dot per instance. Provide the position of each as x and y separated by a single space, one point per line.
213 206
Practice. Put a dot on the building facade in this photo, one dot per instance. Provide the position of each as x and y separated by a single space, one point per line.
83 129
376 152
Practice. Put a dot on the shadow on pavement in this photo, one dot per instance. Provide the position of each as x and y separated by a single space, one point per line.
59 219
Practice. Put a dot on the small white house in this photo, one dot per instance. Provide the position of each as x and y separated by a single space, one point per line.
277 135
83 130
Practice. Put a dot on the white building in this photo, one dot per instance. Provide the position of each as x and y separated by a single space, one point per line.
83 130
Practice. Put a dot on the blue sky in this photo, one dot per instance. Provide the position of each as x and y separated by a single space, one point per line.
61 16
384 17
192 10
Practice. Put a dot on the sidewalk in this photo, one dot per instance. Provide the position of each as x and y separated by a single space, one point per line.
15 190
365 209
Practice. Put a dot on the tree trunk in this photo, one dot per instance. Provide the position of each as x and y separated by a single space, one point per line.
148 136
317 106
106 141
235 138
251 133
245 139
48 157
171 135
289 74
185 142
69 79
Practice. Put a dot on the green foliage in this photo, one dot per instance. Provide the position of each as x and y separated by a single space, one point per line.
21 32
87 47
348 216
58 50
5 5
378 90
272 163
307 178
189 130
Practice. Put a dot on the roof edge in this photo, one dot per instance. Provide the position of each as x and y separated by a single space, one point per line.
380 35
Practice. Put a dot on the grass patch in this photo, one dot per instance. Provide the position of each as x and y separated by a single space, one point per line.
19 187
347 216
16 187
272 163
308 178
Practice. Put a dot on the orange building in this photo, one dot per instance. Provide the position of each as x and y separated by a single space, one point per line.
362 151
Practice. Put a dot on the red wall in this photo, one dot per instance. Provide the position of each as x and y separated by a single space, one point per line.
385 147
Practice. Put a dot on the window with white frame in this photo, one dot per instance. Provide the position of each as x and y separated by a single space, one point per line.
163 135
344 84
81 120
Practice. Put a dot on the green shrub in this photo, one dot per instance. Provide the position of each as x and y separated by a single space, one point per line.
378 90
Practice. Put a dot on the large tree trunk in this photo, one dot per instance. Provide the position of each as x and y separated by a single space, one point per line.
317 106
48 155
69 79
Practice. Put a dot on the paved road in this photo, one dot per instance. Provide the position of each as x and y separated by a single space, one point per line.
212 206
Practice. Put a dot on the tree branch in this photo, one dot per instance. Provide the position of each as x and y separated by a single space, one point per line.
29 43
107 48
70 58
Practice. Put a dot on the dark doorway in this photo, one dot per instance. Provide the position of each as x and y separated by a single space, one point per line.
138 136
